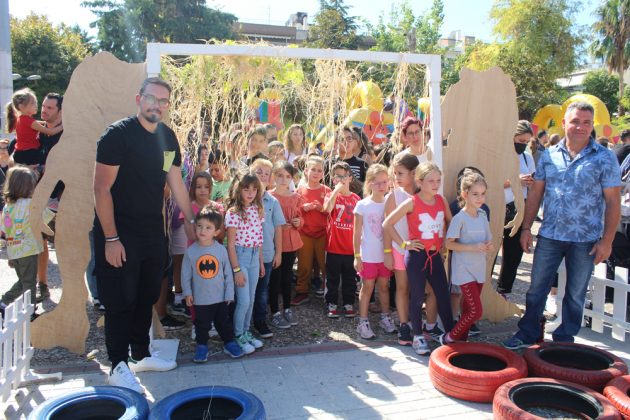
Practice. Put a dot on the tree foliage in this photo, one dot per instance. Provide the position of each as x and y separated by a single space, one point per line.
333 27
125 27
38 47
612 29
603 85
536 43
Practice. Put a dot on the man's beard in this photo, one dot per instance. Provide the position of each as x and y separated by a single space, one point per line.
152 117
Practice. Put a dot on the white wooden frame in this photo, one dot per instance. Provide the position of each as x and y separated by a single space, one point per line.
433 63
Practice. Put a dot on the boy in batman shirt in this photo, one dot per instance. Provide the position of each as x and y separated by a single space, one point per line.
208 285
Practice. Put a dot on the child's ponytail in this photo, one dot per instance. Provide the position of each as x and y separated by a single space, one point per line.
11 118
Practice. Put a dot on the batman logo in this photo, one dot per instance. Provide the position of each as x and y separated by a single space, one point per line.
207 266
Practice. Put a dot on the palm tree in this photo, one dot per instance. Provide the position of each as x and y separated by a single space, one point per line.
613 43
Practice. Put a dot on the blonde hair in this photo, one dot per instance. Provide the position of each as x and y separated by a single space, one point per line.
261 163
371 174
20 98
424 169
469 178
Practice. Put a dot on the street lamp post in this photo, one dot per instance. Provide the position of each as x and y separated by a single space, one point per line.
6 82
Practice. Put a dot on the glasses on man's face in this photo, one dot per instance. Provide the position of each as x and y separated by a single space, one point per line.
152 100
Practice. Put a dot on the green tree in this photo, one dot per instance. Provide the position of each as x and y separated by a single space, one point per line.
38 47
536 44
612 29
333 27
124 28
603 85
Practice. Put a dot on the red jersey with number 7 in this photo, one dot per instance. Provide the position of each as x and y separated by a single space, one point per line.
341 224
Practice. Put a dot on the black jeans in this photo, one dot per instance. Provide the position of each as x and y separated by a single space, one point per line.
218 314
280 282
340 268
510 260
129 293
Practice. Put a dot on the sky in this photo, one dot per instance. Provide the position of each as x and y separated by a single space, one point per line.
469 16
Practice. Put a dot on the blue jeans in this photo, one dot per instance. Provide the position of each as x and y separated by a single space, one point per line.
249 261
89 271
547 258
262 294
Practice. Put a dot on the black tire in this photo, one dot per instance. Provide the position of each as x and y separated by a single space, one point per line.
103 402
223 401
531 398
577 363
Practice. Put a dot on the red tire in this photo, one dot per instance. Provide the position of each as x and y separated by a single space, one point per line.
529 398
577 363
618 393
474 371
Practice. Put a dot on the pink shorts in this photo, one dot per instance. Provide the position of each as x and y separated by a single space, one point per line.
372 271
399 260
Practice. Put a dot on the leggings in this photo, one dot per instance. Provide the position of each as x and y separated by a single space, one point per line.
280 282
471 310
421 268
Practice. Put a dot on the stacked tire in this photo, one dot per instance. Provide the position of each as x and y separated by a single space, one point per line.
618 393
474 371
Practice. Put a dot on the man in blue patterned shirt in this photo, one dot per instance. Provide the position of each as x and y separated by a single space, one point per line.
581 185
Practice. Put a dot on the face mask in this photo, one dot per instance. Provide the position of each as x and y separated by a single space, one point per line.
520 147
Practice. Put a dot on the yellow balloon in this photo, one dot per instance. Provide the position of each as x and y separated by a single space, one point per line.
548 114
601 117
270 94
366 95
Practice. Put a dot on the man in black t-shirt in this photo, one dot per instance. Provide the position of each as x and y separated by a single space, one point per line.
51 114
622 149
135 157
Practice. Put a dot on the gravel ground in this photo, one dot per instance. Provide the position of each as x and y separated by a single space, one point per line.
314 327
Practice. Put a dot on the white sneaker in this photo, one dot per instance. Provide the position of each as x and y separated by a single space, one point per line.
193 334
151 364
420 345
365 331
551 305
121 376
253 340
245 346
387 324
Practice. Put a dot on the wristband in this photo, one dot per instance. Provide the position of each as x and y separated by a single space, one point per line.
112 239
357 255
236 270
403 245
387 251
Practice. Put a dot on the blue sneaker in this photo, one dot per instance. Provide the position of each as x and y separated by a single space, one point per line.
201 354
232 349
515 343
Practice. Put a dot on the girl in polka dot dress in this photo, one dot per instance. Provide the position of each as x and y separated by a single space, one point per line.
243 221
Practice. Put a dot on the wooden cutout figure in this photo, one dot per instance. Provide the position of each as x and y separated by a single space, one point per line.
102 90
479 115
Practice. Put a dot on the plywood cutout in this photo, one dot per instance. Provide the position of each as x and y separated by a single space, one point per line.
102 90
479 115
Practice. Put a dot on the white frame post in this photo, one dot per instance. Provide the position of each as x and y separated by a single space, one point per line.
433 63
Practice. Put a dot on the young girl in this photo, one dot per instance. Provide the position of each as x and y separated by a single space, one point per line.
369 214
427 216
403 168
19 117
243 221
291 204
294 143
313 232
22 247
470 239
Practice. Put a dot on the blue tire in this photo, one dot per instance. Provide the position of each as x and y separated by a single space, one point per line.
103 402
224 402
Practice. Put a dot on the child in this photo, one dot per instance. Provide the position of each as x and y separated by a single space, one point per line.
22 247
208 285
19 117
369 214
427 216
202 158
271 246
291 204
220 184
243 221
340 204
403 168
256 144
294 142
313 231
276 151
470 239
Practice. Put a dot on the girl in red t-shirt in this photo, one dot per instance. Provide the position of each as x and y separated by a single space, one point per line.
313 231
19 117
428 216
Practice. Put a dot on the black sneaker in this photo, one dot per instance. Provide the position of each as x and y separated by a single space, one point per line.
170 324
262 329
42 293
433 334
474 330
404 335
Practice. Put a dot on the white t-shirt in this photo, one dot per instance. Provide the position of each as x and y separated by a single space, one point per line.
372 233
527 166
